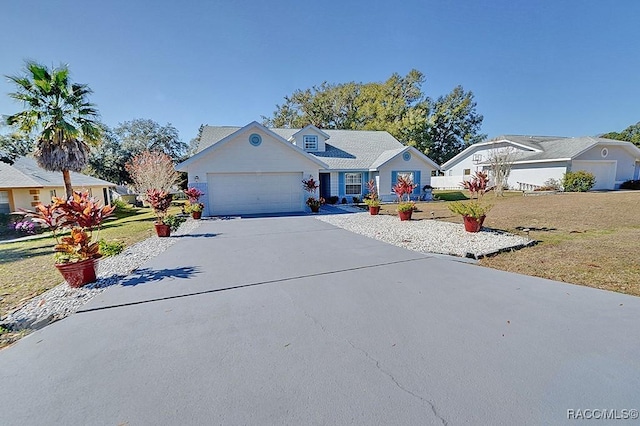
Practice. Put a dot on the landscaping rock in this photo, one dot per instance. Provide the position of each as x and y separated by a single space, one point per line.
429 236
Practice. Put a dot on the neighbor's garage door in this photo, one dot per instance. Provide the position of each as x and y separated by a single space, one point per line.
248 193
604 171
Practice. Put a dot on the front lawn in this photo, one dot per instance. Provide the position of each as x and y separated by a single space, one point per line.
26 267
584 238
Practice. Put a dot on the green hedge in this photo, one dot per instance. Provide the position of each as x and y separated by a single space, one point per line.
580 181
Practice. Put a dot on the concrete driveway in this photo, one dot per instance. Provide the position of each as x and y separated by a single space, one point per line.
293 321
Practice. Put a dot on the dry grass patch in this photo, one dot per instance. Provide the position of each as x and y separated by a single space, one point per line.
590 239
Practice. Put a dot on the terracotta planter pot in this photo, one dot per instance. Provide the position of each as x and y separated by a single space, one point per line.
314 209
163 230
471 224
405 215
196 215
79 273
374 210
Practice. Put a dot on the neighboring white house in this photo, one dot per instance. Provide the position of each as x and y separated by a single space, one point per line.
254 169
539 158
23 185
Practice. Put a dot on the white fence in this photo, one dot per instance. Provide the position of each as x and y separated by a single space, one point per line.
448 182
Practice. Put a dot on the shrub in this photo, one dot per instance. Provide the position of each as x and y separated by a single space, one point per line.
406 206
631 184
550 185
579 181
174 221
119 204
472 208
343 201
25 227
356 200
333 199
111 248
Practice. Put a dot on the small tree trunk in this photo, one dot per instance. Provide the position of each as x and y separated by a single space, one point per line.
66 176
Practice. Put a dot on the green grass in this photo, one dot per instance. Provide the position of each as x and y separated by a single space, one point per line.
27 267
450 195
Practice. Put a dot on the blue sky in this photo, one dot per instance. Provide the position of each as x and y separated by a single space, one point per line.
545 67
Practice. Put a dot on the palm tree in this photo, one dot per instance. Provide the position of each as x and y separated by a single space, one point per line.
58 114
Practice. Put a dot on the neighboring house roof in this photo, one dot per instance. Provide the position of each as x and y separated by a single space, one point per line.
210 142
545 148
25 173
345 149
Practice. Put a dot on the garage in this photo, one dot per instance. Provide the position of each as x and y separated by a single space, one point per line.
250 193
604 171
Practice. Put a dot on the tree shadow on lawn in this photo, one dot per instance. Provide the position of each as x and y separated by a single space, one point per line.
9 255
144 276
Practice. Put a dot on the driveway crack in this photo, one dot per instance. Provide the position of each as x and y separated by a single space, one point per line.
434 410
398 384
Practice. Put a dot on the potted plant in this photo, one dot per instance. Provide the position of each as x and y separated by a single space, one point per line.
193 205
372 199
403 188
315 203
473 212
311 186
160 201
78 252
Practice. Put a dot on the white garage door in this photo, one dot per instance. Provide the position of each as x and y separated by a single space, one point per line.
248 193
604 171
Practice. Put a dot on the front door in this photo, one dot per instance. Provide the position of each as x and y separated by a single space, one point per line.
325 185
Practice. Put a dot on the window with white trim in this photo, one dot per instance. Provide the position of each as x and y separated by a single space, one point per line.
4 202
467 172
352 183
407 175
310 142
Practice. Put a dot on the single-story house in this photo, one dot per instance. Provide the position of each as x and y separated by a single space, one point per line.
536 159
254 169
23 185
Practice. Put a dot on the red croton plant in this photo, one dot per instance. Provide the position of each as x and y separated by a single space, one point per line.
311 186
404 187
81 214
477 185
193 204
160 202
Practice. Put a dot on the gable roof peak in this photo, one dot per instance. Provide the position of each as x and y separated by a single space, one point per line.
311 127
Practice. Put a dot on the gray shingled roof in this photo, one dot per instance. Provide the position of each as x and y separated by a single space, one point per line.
554 147
10 177
25 173
345 149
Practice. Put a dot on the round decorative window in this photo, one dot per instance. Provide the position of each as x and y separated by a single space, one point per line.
255 139
604 152
406 156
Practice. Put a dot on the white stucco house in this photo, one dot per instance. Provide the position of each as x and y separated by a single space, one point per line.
24 184
254 169
539 158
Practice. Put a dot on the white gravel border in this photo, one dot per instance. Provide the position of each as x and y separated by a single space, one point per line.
63 300
429 236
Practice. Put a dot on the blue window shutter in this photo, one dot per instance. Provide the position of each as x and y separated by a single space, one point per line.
365 179
341 189
416 177
394 178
